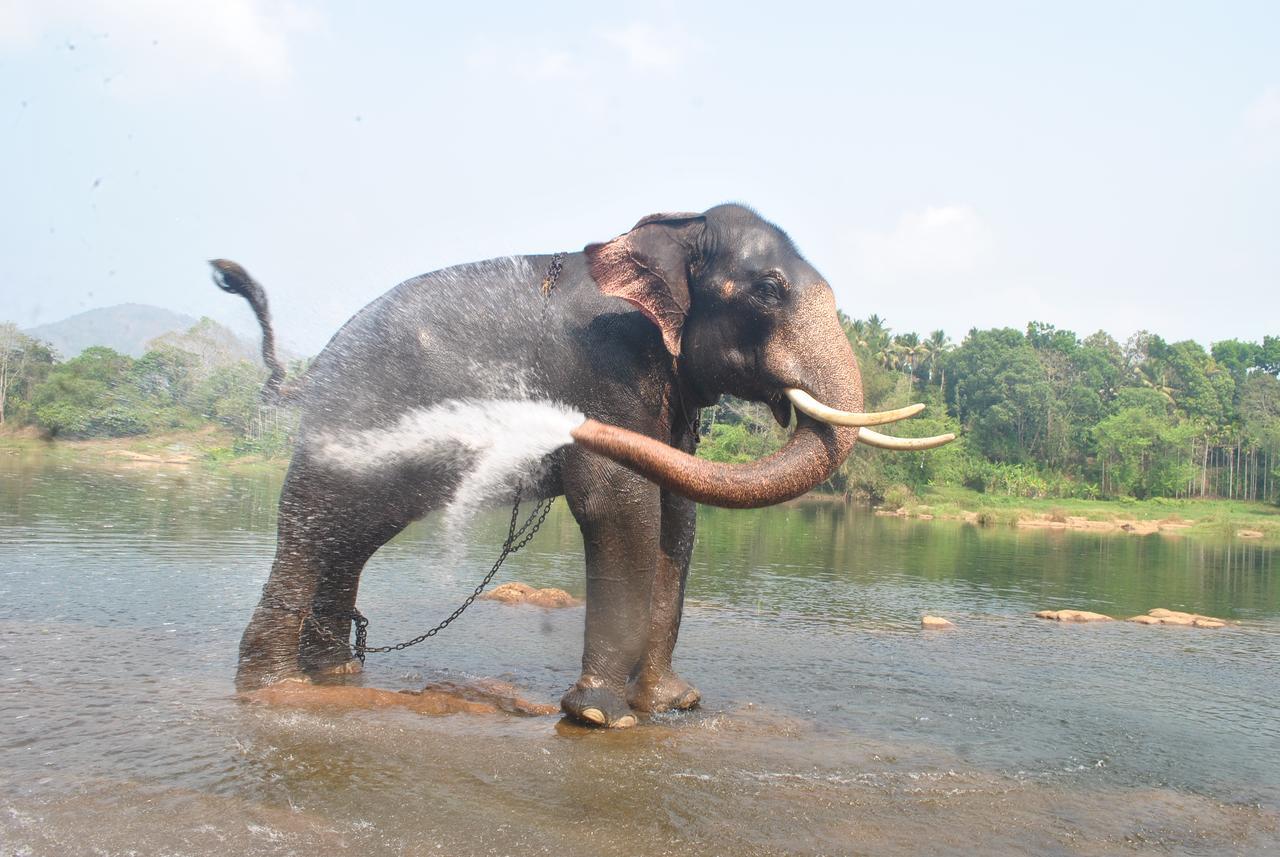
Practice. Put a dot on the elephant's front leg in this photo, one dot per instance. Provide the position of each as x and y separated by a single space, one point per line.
655 685
620 516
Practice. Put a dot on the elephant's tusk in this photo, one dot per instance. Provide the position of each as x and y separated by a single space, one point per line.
884 441
811 406
827 414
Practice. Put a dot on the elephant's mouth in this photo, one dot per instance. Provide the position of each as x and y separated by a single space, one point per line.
820 443
780 407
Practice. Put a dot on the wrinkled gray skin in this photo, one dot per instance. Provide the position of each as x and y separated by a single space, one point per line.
760 319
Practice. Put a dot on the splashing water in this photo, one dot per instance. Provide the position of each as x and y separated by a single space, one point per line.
497 443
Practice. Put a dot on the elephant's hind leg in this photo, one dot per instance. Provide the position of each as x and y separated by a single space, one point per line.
329 527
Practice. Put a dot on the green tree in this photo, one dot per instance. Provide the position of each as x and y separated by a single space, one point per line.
1002 394
1260 419
935 348
1144 447
1099 364
77 397
1046 337
165 375
103 393
1268 359
877 333
24 362
737 431
1237 357
1201 389
230 396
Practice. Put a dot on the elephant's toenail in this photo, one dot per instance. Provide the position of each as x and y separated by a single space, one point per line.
625 722
594 715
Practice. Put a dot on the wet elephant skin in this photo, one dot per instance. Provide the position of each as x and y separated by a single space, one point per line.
638 333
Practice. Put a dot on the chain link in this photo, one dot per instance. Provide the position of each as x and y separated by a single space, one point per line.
524 534
553 274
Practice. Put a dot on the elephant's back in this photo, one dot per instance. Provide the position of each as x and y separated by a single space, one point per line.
460 332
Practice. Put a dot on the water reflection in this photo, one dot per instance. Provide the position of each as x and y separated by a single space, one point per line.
832 724
774 557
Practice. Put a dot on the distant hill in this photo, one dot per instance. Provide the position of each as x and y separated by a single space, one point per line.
214 344
135 329
125 327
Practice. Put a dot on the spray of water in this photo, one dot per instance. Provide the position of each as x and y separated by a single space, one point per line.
492 444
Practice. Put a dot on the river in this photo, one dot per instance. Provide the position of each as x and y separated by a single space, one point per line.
831 723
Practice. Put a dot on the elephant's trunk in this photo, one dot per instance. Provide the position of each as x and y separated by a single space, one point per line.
809 458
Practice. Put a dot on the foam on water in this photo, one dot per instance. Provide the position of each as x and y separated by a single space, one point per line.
497 442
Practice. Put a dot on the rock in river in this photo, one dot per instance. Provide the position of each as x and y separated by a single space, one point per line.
1072 616
1161 616
935 623
523 593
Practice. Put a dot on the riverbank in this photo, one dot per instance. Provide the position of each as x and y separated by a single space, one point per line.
210 446
1209 517
207 445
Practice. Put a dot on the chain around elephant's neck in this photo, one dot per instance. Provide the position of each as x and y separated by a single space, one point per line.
553 275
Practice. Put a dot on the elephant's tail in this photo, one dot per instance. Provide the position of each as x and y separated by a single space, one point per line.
231 277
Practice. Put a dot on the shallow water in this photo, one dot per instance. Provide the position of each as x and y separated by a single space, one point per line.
831 724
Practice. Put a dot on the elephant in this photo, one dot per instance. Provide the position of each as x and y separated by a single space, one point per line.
638 333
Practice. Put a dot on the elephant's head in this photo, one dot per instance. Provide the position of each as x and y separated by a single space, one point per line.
743 313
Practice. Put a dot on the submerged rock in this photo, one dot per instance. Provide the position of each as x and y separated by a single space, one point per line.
523 593
1161 616
1072 616
1249 534
481 696
935 623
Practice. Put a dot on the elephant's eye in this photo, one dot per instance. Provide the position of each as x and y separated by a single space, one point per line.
768 291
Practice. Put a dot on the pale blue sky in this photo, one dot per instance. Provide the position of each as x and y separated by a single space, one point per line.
1111 165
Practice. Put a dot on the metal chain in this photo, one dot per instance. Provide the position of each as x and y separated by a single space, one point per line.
549 281
548 284
524 533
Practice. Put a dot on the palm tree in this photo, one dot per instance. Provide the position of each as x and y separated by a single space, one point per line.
1155 378
877 332
856 330
934 347
908 346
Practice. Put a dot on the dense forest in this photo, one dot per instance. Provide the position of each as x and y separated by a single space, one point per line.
1043 413
1040 412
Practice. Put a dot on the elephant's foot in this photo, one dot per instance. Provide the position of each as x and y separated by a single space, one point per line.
323 649
666 692
590 702
351 666
249 683
269 650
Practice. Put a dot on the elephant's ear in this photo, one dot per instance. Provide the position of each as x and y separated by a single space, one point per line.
649 268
